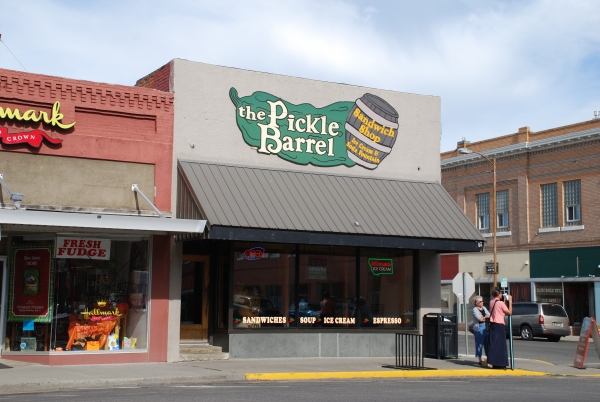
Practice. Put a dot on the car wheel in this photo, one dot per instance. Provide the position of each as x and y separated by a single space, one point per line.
526 333
554 338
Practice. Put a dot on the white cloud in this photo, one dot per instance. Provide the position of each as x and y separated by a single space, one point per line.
497 65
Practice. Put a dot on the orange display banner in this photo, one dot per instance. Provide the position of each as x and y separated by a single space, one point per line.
82 330
587 326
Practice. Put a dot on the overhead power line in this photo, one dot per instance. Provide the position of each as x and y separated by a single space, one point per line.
12 53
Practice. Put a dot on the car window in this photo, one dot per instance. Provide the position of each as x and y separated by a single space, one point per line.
518 309
553 310
530 309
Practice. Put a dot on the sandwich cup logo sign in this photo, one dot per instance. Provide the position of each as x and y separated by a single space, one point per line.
344 133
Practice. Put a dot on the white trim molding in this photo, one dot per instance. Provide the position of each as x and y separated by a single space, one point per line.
569 228
23 218
524 147
498 234
546 230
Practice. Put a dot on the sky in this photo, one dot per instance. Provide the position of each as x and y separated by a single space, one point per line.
497 65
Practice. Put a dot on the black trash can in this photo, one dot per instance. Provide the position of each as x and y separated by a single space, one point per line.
440 335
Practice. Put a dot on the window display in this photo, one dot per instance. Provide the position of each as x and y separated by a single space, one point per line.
78 294
262 277
318 287
327 287
386 288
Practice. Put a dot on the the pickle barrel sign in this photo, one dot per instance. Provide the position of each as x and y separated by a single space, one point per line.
344 133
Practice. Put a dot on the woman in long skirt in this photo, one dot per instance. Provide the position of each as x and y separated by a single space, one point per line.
497 351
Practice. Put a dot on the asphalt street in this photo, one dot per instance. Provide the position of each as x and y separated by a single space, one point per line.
531 389
559 353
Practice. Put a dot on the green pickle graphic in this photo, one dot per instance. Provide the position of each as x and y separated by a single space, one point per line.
343 133
296 125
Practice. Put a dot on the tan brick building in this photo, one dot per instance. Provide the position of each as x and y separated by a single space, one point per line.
547 215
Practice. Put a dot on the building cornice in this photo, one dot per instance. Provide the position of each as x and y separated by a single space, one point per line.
524 148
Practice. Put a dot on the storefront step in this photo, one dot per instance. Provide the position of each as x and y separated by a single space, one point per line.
195 351
199 349
203 357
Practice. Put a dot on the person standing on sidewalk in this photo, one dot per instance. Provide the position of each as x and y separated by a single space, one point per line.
497 351
480 313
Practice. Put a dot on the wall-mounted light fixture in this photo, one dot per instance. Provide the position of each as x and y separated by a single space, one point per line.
16 198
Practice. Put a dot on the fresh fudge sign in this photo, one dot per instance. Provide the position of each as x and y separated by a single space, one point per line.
70 247
344 133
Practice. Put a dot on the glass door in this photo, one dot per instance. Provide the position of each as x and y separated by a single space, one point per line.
195 277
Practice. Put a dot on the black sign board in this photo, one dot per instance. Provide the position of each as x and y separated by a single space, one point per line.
489 268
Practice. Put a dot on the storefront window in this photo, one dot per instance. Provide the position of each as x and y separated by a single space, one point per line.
269 292
263 275
521 292
386 289
448 303
78 294
485 291
327 287
550 292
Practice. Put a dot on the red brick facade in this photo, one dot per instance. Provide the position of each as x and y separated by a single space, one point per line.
114 122
525 161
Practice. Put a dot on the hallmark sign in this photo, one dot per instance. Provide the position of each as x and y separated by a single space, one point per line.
344 133
33 138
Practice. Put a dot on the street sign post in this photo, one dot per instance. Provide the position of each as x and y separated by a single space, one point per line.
463 285
504 287
468 286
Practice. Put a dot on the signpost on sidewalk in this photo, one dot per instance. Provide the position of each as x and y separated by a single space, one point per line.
463 285
504 287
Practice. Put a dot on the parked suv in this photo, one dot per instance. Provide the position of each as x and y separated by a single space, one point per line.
546 320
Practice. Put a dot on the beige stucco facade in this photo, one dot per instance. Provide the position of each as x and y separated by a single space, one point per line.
206 129
511 264
56 182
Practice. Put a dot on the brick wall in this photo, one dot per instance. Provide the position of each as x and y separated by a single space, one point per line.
113 122
524 135
159 79
523 175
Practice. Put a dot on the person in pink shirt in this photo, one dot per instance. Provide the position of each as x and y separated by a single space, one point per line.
497 351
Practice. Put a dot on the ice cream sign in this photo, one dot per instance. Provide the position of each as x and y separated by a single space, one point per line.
344 133
381 266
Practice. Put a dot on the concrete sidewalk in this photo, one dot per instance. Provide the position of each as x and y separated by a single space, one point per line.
18 377
570 338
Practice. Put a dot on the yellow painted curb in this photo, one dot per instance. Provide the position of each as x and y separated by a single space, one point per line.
391 374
